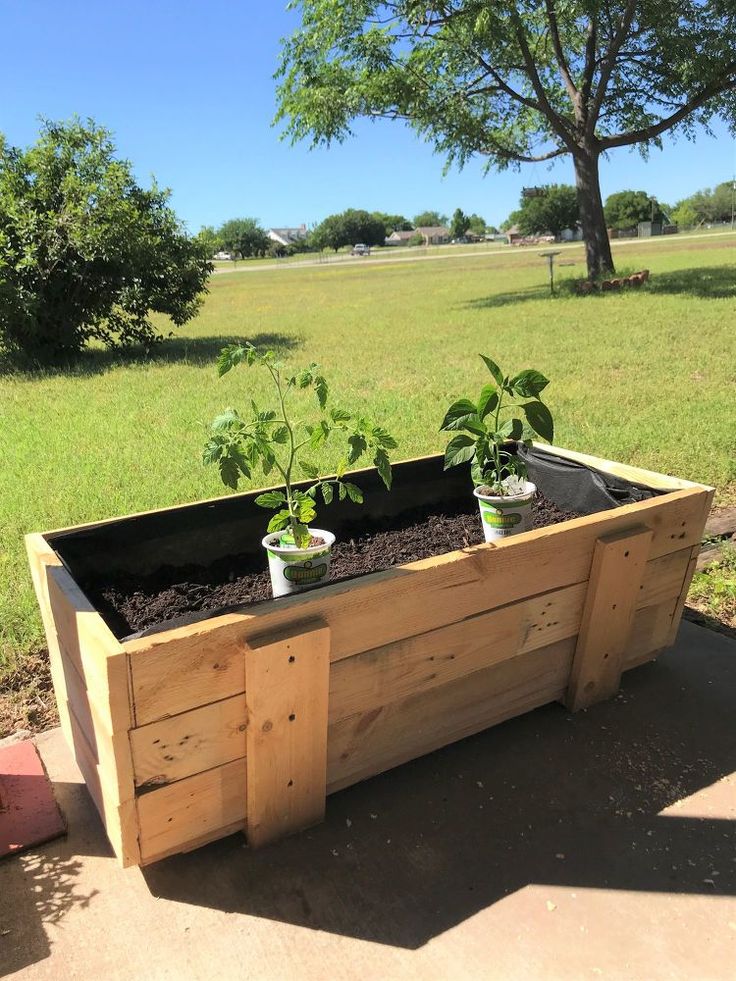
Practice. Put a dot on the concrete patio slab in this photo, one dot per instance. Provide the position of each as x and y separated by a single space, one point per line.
600 845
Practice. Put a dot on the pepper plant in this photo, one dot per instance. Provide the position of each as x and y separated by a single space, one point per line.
486 427
280 439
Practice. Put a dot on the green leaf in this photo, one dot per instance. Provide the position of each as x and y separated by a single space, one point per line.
540 419
383 438
271 499
230 471
304 508
488 400
279 521
309 470
357 445
494 370
529 383
304 378
319 435
327 493
225 419
511 429
229 357
341 490
460 449
354 493
301 534
458 413
280 435
320 387
212 452
383 465
340 415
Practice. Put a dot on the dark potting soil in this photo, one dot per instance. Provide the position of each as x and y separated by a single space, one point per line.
133 603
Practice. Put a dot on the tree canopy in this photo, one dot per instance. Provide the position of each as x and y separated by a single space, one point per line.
85 251
514 81
708 205
244 237
349 228
625 209
552 211
459 223
430 219
393 223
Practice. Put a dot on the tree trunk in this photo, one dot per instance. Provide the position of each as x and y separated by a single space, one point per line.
595 233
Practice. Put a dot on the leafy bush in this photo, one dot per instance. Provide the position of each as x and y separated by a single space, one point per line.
85 252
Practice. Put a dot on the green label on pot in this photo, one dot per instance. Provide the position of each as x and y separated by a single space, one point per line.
305 575
497 519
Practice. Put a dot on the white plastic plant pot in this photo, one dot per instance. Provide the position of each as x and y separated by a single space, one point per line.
506 515
294 570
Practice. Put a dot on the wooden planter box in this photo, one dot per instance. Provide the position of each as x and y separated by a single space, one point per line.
247 720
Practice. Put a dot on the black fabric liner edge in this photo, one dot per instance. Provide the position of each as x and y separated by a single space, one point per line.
596 491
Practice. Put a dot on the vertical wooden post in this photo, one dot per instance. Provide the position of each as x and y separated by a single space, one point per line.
286 694
616 574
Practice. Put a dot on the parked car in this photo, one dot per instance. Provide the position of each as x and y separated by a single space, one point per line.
361 249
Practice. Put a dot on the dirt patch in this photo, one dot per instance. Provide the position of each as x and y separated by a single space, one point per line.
27 696
134 603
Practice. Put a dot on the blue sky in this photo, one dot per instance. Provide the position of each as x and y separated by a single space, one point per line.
187 89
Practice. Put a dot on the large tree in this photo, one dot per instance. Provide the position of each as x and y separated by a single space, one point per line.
349 228
516 82
244 237
553 210
625 209
85 251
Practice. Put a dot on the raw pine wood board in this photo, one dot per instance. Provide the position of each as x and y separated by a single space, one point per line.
412 599
370 742
205 804
189 743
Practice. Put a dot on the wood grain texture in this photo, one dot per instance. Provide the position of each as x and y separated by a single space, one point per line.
96 679
174 818
619 562
413 599
371 742
189 743
287 685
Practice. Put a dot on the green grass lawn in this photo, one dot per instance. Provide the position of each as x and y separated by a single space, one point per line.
647 377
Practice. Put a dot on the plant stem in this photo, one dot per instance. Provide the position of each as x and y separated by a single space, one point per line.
286 474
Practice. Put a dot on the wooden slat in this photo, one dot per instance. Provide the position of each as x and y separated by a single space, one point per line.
40 557
616 575
185 744
119 818
649 635
413 599
371 742
172 818
206 668
286 691
194 843
98 659
680 604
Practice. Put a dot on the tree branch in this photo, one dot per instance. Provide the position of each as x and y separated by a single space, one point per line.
591 44
560 54
650 132
506 154
609 60
544 104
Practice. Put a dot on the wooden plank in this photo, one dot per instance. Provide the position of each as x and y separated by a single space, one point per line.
172 818
680 604
616 575
286 691
194 843
206 668
413 599
189 743
649 635
371 742
119 819
40 557
99 660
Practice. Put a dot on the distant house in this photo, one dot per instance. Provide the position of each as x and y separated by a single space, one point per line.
287 236
399 238
433 234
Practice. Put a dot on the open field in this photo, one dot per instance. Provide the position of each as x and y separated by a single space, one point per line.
647 377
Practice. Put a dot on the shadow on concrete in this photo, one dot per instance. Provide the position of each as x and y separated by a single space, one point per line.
39 887
548 798
196 351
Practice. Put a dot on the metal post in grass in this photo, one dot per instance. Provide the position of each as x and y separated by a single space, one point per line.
550 257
